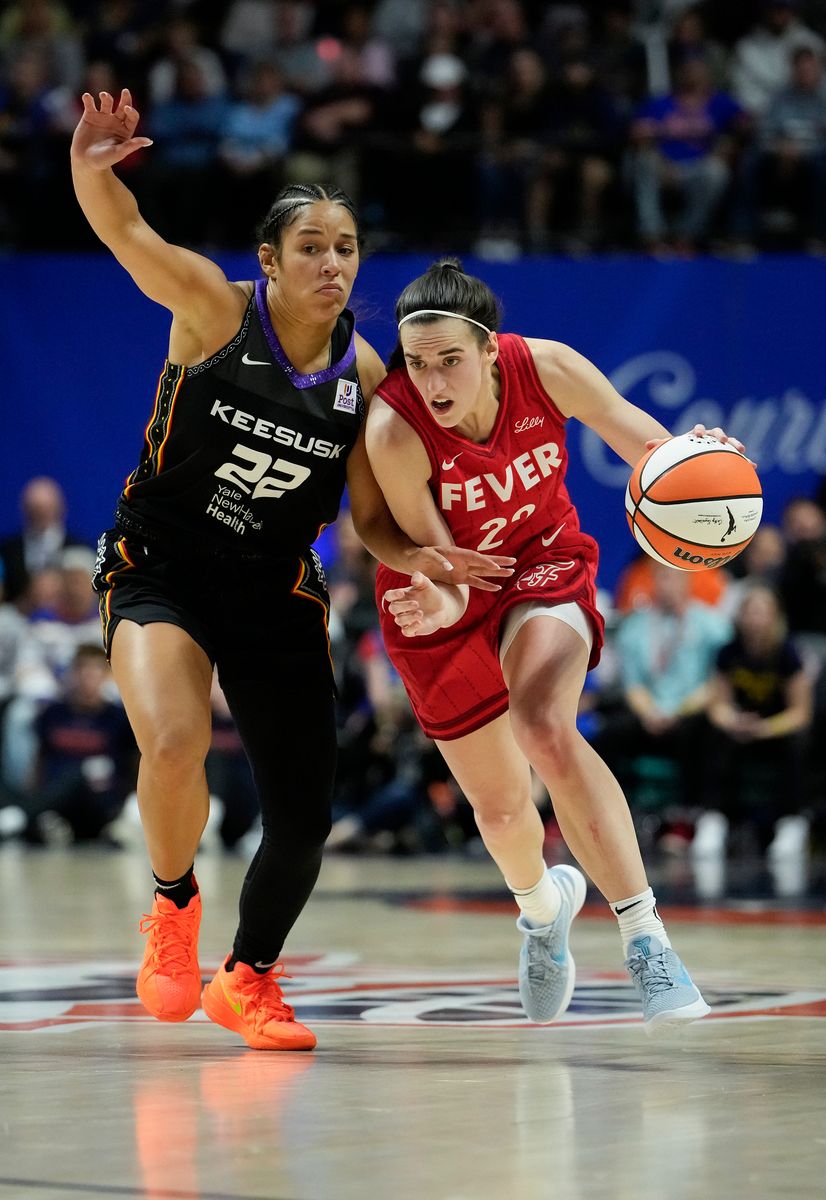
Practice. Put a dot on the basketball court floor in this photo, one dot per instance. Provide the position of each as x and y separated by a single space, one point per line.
427 1081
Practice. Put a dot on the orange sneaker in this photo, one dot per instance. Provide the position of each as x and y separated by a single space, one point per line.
252 1005
169 981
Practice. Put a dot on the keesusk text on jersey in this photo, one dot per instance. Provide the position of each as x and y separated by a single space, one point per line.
258 427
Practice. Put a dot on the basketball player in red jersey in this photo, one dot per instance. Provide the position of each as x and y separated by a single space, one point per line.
257 425
468 436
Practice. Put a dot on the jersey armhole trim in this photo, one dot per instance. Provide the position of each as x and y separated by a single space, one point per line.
525 351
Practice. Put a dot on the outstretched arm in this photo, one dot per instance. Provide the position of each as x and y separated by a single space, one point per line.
188 284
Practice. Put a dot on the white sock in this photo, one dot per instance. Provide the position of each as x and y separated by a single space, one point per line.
540 904
638 915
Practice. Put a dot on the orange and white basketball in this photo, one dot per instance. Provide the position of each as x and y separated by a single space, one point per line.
694 502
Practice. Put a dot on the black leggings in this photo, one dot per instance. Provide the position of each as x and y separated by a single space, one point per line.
288 728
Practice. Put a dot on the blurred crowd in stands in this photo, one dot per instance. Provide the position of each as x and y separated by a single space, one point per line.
501 126
709 704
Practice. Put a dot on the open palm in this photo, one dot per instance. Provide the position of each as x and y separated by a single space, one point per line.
106 135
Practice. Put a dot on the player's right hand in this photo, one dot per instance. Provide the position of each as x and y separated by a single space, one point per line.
105 135
418 609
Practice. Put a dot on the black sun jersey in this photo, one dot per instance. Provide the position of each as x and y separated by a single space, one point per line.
242 453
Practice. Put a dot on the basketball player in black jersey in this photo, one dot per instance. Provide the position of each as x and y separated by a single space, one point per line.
256 428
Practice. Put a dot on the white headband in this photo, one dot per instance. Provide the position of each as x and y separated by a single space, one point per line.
440 312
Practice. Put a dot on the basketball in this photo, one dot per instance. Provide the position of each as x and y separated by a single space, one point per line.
693 503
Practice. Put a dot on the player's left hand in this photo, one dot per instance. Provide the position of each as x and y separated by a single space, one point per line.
699 431
453 564
418 609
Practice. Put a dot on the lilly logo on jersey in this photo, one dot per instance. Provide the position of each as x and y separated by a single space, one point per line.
524 473
543 574
527 423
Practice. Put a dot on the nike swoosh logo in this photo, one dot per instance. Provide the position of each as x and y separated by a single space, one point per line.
553 537
447 463
266 966
620 911
254 362
235 1005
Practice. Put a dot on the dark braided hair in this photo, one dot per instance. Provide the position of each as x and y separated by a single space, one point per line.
284 210
446 287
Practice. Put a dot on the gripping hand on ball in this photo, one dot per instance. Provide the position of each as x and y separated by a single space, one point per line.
701 431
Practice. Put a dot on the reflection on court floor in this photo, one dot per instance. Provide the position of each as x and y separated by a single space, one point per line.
427 1080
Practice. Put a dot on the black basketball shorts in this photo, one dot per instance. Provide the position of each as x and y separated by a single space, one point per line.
253 617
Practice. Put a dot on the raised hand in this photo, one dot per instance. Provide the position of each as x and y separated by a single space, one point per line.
105 135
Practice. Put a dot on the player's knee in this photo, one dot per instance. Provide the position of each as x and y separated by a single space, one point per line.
545 737
174 753
496 817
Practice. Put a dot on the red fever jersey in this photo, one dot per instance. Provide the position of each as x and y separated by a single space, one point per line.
503 496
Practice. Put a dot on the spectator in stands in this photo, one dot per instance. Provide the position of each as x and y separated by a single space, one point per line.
760 706
42 537
684 142
803 579
382 781
514 199
331 133
86 755
402 25
618 57
502 30
784 174
182 171
803 520
42 29
689 42
75 620
181 49
29 156
762 561
762 59
635 586
666 654
376 63
437 148
279 31
121 32
582 135
257 136
22 674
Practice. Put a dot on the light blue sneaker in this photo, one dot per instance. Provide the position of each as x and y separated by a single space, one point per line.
546 968
668 994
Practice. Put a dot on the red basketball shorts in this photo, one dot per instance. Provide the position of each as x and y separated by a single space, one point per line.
454 677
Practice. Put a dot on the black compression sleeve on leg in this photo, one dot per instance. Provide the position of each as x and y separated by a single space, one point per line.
290 737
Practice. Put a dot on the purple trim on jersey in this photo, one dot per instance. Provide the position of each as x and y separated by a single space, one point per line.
298 381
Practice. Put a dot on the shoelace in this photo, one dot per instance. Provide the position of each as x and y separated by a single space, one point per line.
653 973
265 993
173 937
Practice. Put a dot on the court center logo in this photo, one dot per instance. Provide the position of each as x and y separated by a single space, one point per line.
336 989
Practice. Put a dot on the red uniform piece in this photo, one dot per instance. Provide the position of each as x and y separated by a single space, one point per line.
503 496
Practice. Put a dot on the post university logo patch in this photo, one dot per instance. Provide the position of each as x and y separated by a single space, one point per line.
346 396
